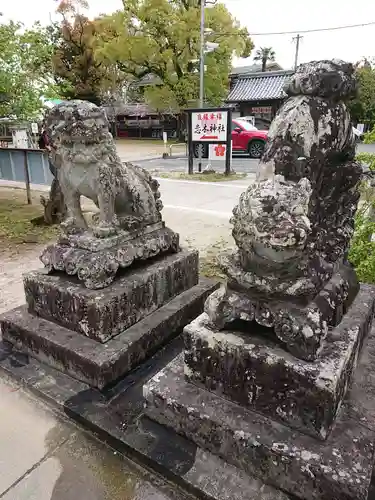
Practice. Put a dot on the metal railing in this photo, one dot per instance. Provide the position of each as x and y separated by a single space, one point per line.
178 144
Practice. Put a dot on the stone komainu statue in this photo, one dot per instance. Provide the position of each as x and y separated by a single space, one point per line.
293 227
129 225
87 164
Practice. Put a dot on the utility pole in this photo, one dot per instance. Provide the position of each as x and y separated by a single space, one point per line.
201 65
297 39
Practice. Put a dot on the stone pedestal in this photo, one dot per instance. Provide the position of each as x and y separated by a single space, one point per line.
97 261
251 367
241 395
103 314
97 336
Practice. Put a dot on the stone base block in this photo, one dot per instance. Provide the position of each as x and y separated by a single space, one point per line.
95 363
252 369
337 469
96 261
103 314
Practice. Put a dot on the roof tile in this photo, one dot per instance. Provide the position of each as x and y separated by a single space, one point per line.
258 88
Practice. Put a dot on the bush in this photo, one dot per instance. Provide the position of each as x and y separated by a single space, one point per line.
370 136
362 248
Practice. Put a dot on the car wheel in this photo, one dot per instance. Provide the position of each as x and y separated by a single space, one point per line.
256 149
200 150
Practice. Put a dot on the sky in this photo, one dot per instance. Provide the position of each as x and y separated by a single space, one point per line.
263 17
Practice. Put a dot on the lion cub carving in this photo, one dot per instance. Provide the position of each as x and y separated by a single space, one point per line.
88 165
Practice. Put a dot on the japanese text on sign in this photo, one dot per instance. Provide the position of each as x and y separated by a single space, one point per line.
209 126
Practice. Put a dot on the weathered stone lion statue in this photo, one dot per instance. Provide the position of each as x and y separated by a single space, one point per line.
129 226
88 165
293 227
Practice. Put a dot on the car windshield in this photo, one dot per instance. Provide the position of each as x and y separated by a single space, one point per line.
246 125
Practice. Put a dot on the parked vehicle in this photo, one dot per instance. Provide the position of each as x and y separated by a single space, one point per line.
245 139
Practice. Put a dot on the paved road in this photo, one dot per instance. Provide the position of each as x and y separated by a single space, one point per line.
43 457
240 163
198 211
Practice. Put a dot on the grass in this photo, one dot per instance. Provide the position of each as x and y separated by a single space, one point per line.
209 262
209 177
17 233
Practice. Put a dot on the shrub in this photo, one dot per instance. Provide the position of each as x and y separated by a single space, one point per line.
362 248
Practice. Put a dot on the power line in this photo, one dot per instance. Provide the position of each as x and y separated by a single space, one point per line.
303 31
313 30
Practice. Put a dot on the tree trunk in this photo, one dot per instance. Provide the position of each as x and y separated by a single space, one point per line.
54 206
264 64
181 128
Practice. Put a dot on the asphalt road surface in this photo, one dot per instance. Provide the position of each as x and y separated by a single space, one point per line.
240 163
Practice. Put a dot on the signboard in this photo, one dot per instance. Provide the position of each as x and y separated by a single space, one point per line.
209 129
262 110
165 137
209 126
34 128
20 139
361 127
217 152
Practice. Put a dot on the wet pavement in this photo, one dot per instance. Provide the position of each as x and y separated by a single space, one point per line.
43 457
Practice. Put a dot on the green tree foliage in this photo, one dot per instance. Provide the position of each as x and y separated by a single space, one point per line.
362 248
370 138
162 38
265 55
363 107
25 69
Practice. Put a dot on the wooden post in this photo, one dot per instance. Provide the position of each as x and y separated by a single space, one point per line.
27 178
190 146
228 156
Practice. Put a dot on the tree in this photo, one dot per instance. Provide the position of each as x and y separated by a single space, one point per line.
265 54
162 38
362 108
24 78
78 72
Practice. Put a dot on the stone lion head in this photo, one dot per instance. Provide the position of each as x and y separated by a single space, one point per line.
334 79
271 219
76 121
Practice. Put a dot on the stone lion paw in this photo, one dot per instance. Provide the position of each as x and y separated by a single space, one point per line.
73 226
105 229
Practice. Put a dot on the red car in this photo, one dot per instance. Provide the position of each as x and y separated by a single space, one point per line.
245 139
248 139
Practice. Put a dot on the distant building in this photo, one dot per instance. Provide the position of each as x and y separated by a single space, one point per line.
137 120
252 93
258 94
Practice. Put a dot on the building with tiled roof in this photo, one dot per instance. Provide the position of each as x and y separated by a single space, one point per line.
258 94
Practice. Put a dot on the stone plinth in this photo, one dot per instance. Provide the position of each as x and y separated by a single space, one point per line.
96 261
252 369
95 363
103 314
337 469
